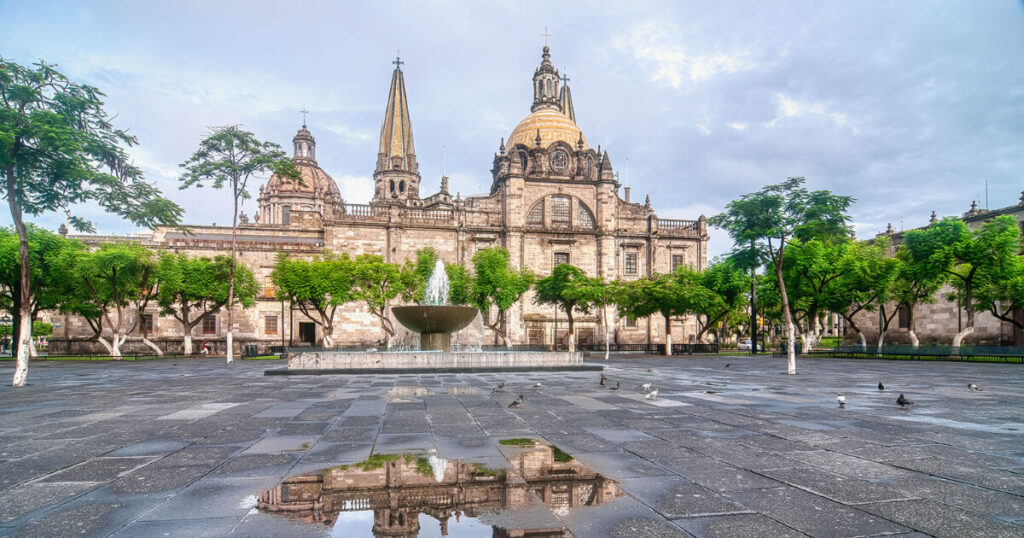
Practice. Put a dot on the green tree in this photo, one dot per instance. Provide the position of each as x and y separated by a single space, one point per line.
775 215
227 158
497 286
968 258
189 289
49 285
597 294
119 279
671 295
569 289
729 283
58 148
865 282
377 282
318 287
460 282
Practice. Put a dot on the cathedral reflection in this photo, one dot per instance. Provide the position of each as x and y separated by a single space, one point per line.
399 488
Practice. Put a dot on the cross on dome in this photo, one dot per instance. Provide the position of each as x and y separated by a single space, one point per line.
545 35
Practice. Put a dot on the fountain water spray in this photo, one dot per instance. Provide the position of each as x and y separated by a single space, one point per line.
437 287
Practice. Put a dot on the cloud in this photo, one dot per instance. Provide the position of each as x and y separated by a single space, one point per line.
657 47
793 108
738 126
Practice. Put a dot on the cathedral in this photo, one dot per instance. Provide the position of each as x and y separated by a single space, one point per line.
553 199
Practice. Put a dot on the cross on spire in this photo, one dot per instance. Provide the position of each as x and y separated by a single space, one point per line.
565 77
398 60
545 35
304 112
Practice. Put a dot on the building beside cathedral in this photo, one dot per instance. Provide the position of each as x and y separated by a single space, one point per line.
553 199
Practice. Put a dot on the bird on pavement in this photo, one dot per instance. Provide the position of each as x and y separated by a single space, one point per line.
903 401
646 387
881 386
841 400
974 387
616 387
652 395
499 388
604 379
726 365
537 384
516 404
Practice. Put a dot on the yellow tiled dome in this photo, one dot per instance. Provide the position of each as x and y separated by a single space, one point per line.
314 181
554 126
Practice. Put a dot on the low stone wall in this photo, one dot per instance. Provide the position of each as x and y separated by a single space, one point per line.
336 360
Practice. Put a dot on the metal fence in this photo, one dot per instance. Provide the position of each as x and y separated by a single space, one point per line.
944 353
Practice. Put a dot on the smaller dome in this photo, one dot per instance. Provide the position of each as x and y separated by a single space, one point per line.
314 182
554 127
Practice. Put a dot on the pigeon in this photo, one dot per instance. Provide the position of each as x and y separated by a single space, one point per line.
903 401
537 384
499 388
881 386
603 379
516 404
974 387
841 400
646 386
652 395
727 365
616 387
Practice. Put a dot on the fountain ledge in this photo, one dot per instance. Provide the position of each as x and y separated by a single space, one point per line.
335 362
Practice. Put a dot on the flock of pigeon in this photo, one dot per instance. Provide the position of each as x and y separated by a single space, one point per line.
902 400
651 392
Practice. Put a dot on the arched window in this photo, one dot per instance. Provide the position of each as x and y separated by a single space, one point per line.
523 160
392 185
584 218
536 215
561 211
401 186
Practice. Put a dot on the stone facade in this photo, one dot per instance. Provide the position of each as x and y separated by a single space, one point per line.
553 198
938 322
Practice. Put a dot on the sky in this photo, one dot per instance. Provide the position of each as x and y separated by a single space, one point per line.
908 106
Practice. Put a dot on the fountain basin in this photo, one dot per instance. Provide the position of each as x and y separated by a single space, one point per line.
435 323
310 362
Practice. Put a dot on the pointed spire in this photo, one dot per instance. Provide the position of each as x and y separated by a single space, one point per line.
889 230
501 148
580 142
538 140
397 151
934 219
565 99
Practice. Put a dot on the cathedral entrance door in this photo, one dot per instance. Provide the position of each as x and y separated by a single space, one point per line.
307 333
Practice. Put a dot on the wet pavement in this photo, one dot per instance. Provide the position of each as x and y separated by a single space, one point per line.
185 448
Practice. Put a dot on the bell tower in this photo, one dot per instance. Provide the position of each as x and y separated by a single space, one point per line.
397 175
545 85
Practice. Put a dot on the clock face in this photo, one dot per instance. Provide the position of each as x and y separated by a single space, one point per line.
559 160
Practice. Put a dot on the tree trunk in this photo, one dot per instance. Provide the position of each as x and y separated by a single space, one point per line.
25 302
572 331
328 339
103 342
604 323
958 337
154 347
668 335
116 346
881 341
862 341
187 342
231 280
912 330
32 351
788 317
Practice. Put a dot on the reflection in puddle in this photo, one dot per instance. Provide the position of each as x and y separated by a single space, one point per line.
392 495
402 393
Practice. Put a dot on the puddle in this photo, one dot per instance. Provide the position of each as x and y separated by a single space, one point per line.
402 393
424 495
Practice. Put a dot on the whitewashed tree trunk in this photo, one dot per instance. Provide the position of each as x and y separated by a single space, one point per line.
862 340
156 348
230 347
187 343
32 351
24 343
881 342
604 323
913 339
116 347
967 331
668 336
106 345
791 348
328 339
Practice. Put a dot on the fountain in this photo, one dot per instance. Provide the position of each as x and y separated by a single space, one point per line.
435 320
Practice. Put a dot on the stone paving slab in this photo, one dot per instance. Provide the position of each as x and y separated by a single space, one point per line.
181 448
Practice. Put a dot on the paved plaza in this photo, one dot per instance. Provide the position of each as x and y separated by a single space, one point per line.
731 446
